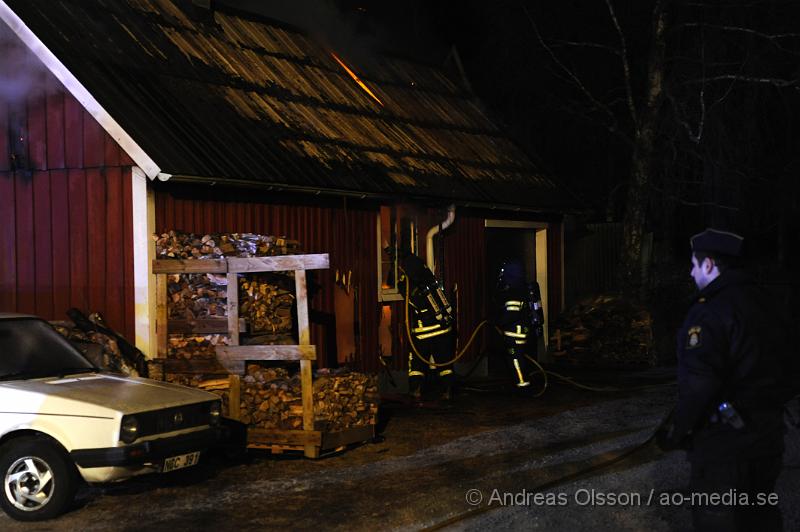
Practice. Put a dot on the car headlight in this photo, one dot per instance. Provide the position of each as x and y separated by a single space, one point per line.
215 413
129 430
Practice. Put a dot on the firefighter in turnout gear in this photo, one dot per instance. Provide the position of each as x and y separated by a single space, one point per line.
430 320
519 318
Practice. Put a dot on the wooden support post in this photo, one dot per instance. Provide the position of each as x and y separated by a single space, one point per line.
233 308
304 338
301 293
161 315
234 397
307 389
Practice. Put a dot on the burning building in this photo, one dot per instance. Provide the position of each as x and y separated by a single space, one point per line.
150 115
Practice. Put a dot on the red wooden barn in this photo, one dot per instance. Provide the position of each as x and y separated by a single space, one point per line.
121 119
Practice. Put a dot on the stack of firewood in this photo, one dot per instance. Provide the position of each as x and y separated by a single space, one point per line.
606 330
271 398
266 302
180 346
187 348
180 245
101 349
265 299
196 295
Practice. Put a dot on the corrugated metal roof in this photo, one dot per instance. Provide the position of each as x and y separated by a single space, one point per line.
231 96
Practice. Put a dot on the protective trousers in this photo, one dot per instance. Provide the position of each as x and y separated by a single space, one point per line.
435 350
516 342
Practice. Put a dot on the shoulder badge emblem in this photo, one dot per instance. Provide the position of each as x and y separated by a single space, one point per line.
693 337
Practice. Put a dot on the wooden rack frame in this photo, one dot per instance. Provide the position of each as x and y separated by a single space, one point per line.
234 356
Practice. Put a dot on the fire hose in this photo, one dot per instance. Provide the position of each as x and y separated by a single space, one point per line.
543 371
560 480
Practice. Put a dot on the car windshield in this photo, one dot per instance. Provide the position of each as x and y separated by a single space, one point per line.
31 348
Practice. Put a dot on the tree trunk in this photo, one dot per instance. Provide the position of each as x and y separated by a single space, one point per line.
636 270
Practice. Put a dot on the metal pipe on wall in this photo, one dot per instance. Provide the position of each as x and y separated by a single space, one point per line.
447 222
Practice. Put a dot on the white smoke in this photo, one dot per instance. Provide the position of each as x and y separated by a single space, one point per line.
21 72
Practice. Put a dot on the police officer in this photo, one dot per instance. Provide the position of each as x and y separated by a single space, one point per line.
732 352
430 322
519 317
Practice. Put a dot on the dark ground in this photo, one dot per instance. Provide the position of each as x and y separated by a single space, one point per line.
488 438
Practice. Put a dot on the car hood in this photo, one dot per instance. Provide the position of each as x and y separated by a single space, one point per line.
102 395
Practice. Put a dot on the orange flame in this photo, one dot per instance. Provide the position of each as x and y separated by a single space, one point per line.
356 79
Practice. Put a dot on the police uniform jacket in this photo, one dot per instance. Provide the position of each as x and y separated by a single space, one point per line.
731 348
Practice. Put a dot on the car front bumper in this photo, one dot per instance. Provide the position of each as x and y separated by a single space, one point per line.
147 452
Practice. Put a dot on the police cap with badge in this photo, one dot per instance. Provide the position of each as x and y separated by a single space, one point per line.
718 242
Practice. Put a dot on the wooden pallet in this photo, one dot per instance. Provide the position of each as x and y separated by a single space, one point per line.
233 357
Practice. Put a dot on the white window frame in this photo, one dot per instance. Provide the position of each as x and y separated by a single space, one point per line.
391 294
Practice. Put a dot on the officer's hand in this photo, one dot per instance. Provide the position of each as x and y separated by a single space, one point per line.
666 441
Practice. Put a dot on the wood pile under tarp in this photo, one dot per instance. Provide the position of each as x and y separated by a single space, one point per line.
607 331
271 398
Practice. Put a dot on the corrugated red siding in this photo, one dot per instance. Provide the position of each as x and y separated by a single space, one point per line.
64 238
345 232
465 265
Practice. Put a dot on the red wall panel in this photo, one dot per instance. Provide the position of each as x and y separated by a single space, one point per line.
24 240
114 267
55 126
465 266
73 132
64 239
37 128
96 228
59 191
78 239
8 239
42 243
93 143
4 139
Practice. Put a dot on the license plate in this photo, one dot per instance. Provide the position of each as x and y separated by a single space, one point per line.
180 461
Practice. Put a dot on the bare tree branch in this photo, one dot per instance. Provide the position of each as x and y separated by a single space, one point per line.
694 137
777 82
773 38
570 74
579 44
682 201
625 65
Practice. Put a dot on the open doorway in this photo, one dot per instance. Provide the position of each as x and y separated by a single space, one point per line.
526 242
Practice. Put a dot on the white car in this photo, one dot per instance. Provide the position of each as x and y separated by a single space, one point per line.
62 419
